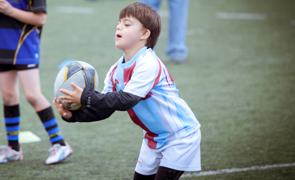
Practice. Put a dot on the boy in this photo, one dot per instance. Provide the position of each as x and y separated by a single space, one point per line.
140 84
21 24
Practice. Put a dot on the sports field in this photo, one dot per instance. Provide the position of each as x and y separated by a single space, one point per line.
239 80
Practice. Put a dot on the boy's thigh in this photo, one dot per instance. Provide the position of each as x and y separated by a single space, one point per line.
182 154
148 161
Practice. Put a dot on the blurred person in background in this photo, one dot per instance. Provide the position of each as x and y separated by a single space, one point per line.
178 9
20 33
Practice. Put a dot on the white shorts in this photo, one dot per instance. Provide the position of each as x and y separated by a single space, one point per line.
182 154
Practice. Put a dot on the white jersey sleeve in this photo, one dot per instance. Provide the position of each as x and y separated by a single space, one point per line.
108 87
145 75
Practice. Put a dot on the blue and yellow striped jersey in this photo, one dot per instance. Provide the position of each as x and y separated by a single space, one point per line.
20 42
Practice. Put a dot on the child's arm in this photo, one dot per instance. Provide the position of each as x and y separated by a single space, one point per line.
86 115
121 101
99 106
90 114
35 19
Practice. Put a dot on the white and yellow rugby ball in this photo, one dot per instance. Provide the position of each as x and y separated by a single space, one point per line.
79 72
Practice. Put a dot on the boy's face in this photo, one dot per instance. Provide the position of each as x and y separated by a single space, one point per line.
129 33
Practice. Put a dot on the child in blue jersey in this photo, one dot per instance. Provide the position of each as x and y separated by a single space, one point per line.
21 24
140 84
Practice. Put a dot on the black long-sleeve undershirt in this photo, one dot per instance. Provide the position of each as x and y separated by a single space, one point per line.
101 106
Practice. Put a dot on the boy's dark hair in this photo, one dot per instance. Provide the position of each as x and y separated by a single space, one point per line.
147 16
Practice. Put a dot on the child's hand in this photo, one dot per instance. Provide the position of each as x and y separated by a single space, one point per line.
73 97
61 110
5 8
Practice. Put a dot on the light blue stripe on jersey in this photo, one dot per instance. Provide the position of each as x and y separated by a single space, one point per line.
150 117
172 110
134 58
187 121
164 96
12 120
12 128
50 123
175 120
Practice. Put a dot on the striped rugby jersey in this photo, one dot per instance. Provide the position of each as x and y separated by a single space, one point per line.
20 42
161 113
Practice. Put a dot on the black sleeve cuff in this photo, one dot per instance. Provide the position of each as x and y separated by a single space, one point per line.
85 98
72 119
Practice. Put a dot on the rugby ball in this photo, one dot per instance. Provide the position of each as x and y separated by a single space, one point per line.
79 72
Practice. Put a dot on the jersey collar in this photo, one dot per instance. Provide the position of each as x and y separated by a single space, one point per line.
134 58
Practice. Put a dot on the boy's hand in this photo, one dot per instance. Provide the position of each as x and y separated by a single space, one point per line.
73 97
61 110
5 8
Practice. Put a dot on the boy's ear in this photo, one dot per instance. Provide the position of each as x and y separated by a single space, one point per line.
146 34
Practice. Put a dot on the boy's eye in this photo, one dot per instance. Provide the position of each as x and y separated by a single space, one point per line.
127 24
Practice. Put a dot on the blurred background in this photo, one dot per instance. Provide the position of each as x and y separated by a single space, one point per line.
239 80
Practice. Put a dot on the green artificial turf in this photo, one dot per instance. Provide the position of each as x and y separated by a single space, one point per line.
239 79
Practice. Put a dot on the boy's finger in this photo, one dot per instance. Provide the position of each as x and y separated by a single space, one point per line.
74 85
67 101
73 104
65 91
64 98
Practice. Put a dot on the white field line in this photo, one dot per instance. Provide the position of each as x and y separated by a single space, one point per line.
75 10
233 170
243 16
